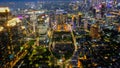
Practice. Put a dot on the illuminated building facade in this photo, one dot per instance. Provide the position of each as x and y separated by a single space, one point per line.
4 13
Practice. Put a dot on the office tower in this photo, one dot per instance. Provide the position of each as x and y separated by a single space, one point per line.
94 31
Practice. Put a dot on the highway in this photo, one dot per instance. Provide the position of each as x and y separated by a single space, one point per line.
20 54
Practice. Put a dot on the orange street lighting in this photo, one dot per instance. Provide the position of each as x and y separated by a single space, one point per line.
118 28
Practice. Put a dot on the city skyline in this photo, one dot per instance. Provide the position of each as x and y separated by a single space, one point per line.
59 34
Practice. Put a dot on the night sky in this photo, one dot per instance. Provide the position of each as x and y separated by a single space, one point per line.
16 0
30 0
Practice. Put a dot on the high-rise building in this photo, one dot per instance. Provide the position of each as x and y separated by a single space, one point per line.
79 19
85 25
4 14
61 16
94 31
58 18
64 17
74 20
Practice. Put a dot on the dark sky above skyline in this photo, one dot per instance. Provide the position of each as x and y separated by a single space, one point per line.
18 0
30 0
